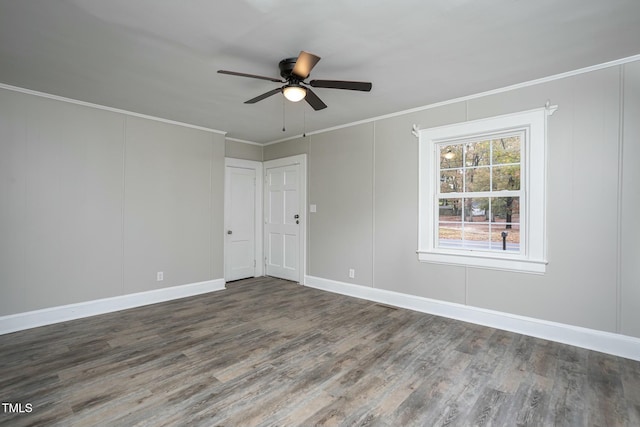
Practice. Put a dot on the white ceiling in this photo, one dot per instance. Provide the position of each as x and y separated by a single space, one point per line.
160 57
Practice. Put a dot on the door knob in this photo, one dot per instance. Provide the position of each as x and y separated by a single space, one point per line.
296 216
229 232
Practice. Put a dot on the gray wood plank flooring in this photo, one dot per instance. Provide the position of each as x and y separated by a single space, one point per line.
270 352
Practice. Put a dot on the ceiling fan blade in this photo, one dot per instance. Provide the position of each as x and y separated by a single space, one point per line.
263 96
304 64
341 84
313 100
252 76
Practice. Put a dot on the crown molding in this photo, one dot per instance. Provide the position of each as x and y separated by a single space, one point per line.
551 78
105 108
244 141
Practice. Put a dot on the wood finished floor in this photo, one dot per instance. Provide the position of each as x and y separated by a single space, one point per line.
271 352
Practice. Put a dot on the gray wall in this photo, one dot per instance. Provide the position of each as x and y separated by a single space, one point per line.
364 180
94 203
241 150
630 212
292 147
340 230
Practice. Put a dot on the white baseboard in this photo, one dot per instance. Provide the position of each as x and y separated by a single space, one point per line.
48 316
606 342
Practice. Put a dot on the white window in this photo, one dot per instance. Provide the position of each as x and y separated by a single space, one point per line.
482 192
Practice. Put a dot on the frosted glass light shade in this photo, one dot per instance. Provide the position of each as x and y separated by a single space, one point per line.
294 93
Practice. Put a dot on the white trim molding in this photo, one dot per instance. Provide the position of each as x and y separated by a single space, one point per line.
532 128
104 107
465 98
63 313
242 141
591 339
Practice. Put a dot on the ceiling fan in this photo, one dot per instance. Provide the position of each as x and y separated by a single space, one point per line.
293 72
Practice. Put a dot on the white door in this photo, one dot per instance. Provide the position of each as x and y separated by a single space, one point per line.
240 233
284 216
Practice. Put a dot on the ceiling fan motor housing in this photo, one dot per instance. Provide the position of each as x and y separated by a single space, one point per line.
286 66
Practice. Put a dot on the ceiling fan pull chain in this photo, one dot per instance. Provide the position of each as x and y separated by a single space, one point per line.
304 121
283 128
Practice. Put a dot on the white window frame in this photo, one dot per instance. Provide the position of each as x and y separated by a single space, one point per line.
533 254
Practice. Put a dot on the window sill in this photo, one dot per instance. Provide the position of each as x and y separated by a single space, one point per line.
485 261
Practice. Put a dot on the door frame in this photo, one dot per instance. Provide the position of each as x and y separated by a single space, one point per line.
301 161
257 166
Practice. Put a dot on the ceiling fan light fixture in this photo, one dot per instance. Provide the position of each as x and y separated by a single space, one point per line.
294 93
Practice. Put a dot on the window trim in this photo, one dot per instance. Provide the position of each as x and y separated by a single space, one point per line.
532 258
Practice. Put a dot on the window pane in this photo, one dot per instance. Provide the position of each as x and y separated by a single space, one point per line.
450 210
451 156
511 241
476 224
450 223
477 153
450 235
451 181
477 179
505 211
476 236
506 178
476 209
506 150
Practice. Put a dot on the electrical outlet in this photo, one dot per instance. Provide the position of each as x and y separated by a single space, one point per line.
160 276
352 273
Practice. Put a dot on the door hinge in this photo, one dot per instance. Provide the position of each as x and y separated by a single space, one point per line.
254 263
